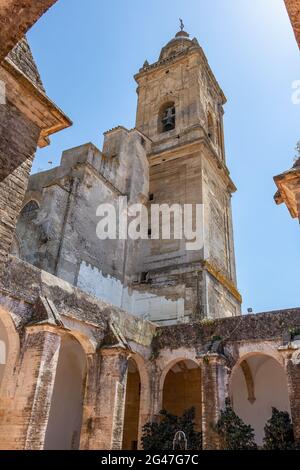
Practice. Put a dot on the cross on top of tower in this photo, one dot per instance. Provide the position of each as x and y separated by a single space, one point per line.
182 33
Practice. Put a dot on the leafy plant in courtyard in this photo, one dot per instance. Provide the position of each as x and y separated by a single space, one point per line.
160 435
279 433
234 433
295 331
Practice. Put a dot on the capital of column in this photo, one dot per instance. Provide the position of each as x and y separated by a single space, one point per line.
211 359
115 352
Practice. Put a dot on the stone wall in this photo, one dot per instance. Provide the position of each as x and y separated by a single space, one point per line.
45 309
21 56
258 327
18 142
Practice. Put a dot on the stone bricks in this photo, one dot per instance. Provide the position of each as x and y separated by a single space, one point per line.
22 57
211 403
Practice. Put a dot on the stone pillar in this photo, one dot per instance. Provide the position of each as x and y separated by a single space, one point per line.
156 392
292 368
91 425
105 400
36 377
145 411
214 393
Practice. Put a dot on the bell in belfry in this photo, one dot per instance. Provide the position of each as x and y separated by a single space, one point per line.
169 119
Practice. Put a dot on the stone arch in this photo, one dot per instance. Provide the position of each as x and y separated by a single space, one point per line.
9 353
258 383
30 206
181 388
66 410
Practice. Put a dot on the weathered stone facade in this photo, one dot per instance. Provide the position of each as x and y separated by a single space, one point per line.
78 372
158 279
41 310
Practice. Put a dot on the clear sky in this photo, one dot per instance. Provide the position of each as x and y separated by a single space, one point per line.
87 53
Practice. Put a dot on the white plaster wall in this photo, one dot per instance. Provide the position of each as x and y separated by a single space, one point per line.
270 390
146 305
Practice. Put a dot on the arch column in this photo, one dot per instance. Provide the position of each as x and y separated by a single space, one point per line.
35 384
90 422
111 396
156 391
214 394
145 413
292 369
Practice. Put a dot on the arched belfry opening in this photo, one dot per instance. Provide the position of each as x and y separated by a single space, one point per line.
167 117
132 407
65 419
257 384
182 390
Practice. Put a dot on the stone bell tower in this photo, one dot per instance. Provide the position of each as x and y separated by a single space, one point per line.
180 108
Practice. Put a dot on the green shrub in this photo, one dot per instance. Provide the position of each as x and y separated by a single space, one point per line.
279 433
160 435
234 433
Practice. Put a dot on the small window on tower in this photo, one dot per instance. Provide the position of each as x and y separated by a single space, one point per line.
167 118
30 209
211 127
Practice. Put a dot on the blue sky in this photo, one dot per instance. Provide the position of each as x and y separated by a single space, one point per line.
87 53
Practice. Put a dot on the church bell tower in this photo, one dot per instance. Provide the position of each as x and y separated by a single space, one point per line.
180 108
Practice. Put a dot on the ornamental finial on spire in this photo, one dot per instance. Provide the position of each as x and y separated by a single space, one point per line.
181 24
